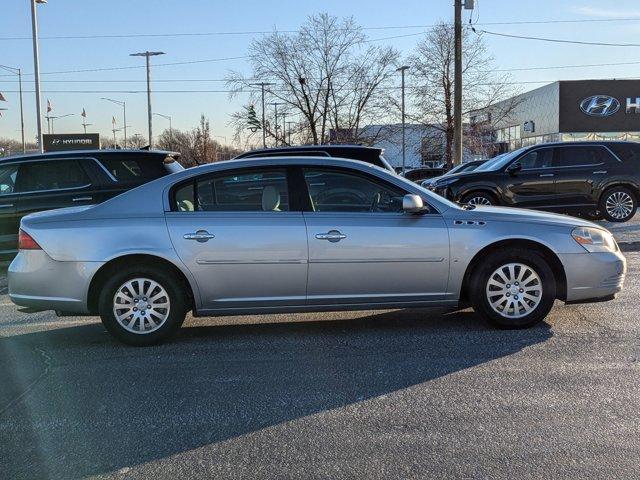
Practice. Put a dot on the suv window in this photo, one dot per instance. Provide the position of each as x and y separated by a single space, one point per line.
133 170
539 158
333 190
577 156
54 175
627 152
8 179
258 190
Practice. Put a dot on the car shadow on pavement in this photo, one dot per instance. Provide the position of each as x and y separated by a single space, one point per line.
75 403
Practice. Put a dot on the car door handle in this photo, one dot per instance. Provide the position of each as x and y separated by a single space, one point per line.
82 199
6 205
599 172
331 235
546 175
199 236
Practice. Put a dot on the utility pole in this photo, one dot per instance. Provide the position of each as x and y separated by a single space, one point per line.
18 72
168 117
147 55
262 86
289 131
275 127
36 69
457 85
284 127
404 159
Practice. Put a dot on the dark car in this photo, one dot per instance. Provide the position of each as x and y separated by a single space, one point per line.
422 173
352 152
32 183
463 167
599 179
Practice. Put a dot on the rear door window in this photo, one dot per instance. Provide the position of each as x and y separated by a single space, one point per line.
134 170
578 156
53 175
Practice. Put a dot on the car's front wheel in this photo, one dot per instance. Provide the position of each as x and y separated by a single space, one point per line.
142 305
513 288
479 198
618 204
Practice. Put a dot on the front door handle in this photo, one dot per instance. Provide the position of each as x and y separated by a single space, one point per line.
599 172
331 235
82 199
546 175
200 236
6 205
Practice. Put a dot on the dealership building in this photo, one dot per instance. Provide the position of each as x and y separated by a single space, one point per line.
562 111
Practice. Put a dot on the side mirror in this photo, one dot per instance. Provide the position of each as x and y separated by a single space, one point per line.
514 168
412 203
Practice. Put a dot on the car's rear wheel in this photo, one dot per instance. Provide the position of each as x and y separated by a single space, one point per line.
479 198
618 204
142 305
513 288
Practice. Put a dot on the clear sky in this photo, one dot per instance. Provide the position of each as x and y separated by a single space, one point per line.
116 17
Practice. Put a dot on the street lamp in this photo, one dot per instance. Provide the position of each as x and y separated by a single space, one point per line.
168 117
18 72
147 55
124 115
402 70
51 119
36 69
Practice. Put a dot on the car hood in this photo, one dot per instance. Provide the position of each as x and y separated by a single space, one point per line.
521 215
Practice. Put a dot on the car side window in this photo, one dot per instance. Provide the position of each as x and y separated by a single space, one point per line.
8 175
258 190
540 158
132 170
578 156
54 175
333 190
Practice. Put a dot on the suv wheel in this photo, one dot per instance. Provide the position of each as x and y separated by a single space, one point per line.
142 305
479 198
618 204
513 288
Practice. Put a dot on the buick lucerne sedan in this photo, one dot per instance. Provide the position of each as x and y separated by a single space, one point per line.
299 234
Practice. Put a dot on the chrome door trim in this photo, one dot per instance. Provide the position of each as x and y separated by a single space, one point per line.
383 260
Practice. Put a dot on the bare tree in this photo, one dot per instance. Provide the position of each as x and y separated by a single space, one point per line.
432 77
325 73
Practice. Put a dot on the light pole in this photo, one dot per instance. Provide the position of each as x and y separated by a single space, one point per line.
36 69
403 69
51 119
262 86
18 72
148 55
124 115
168 117
289 131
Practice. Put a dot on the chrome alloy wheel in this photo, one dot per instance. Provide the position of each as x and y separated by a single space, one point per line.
141 305
480 200
619 205
514 290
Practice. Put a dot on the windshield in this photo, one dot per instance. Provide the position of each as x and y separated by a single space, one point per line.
496 163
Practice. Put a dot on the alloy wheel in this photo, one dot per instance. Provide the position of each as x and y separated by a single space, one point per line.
141 305
619 205
479 200
514 290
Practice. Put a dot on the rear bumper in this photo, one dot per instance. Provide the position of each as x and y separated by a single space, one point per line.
593 276
41 283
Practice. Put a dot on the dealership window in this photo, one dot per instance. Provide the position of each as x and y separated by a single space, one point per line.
508 134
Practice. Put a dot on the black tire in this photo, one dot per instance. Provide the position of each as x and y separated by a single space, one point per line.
479 198
610 195
177 296
483 273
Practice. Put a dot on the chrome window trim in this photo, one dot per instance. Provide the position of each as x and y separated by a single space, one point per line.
546 147
49 190
104 169
67 189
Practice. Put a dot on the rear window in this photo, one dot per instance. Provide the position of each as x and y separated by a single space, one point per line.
134 170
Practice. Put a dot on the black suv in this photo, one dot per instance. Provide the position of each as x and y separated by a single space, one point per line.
31 183
351 152
598 179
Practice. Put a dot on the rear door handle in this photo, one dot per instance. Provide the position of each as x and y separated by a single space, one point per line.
6 205
82 199
546 175
599 172
200 236
331 235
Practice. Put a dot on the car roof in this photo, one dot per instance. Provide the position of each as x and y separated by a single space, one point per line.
302 148
86 153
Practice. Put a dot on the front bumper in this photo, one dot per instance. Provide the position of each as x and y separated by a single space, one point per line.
37 281
593 276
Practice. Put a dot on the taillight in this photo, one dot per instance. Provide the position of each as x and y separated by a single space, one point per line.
25 242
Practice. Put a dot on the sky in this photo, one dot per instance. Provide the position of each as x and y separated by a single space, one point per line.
162 17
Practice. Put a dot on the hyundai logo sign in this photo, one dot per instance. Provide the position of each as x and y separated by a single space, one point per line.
600 105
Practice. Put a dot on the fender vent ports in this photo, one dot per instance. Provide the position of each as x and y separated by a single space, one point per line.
470 222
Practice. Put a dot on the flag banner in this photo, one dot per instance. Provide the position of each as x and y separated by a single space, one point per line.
49 106
83 114
2 99
113 121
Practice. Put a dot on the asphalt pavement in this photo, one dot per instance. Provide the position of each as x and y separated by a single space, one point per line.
378 394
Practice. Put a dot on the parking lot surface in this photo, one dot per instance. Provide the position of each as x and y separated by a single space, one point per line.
391 394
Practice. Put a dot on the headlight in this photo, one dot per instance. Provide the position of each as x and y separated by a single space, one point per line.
444 182
594 239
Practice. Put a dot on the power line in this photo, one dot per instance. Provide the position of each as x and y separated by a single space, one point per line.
555 40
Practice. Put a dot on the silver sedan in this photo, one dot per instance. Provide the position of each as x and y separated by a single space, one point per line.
289 234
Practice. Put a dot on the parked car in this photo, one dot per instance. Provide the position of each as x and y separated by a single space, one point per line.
463 167
601 179
269 235
371 155
31 183
420 174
